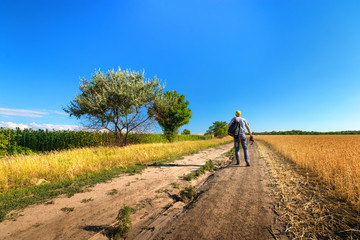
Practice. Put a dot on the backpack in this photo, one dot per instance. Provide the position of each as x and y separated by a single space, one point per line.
234 129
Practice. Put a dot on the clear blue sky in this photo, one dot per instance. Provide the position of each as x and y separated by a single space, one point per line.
290 64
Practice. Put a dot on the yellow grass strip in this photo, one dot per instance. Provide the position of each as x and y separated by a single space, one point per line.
20 171
335 158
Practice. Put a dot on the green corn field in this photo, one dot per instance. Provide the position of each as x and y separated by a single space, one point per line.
28 140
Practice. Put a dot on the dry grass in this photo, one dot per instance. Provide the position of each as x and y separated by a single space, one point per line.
28 170
336 159
308 207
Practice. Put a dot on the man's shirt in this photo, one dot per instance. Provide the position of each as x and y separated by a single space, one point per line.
243 124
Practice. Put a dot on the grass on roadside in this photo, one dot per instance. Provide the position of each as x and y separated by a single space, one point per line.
123 225
97 164
188 193
208 166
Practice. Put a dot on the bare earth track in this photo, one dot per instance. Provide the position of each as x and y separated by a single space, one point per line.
234 203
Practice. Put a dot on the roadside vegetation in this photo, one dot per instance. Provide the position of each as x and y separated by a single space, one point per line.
208 166
188 193
26 180
123 225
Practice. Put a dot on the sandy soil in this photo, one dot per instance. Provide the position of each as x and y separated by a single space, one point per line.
234 203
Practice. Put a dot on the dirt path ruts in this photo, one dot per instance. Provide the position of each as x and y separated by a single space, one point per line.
236 204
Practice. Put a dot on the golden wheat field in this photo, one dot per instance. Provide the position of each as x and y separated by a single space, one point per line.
27 170
335 158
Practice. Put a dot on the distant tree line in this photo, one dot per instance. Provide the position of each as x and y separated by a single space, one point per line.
299 132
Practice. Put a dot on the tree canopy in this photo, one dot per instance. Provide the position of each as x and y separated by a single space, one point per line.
186 132
117 101
217 129
171 112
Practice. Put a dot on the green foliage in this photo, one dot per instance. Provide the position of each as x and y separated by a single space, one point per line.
188 193
218 129
208 166
67 209
124 225
174 185
27 141
171 112
116 101
186 132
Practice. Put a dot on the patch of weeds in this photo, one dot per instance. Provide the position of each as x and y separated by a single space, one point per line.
162 190
174 185
87 200
112 192
148 201
143 203
36 225
231 154
208 166
140 205
135 169
221 163
67 209
123 224
188 193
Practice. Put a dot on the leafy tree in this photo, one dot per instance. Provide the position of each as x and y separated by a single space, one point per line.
186 132
217 129
171 112
116 101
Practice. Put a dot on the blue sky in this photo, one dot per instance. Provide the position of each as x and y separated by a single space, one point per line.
286 65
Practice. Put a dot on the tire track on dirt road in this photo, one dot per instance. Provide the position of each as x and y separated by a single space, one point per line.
236 204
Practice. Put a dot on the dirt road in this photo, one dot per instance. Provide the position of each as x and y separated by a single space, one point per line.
234 204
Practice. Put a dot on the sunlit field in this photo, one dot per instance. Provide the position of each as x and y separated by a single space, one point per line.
20 171
335 158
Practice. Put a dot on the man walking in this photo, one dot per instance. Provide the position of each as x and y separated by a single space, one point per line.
241 137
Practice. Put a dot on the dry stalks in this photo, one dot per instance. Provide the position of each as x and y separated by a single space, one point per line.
22 171
334 158
307 206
